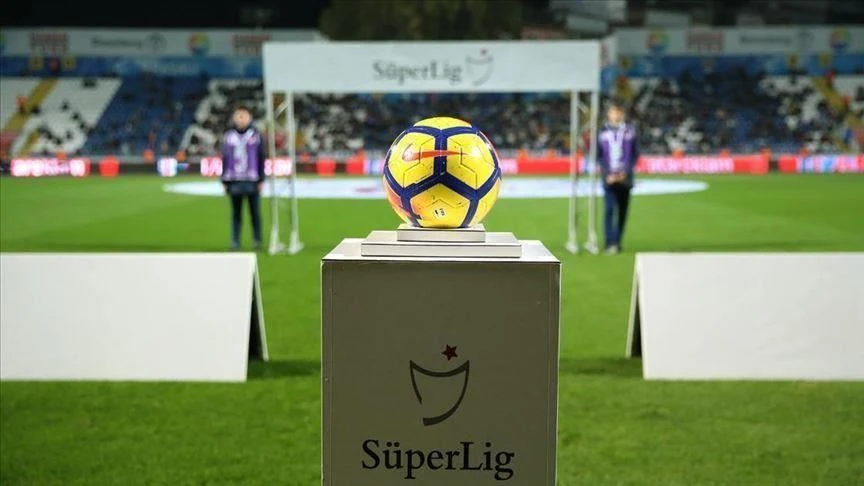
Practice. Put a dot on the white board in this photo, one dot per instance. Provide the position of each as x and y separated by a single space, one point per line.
749 316
152 317
392 67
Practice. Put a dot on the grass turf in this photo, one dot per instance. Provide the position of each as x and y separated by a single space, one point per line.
615 428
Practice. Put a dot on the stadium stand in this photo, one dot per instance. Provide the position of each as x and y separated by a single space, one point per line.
147 113
66 115
15 104
10 90
850 90
737 111
212 113
333 122
350 122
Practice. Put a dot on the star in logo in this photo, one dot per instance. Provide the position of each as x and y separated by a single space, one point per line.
449 352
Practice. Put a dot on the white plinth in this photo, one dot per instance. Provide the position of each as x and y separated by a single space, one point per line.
450 362
489 245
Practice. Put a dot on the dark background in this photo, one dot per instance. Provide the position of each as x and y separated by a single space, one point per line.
306 13
161 13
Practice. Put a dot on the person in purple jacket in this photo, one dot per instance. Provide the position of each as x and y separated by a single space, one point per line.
617 153
243 173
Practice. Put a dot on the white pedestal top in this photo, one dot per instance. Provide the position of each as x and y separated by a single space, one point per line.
533 251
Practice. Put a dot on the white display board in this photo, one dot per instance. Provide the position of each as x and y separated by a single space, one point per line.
391 67
749 316
153 317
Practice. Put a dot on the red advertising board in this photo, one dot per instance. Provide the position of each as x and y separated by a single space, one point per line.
544 165
652 164
42 167
708 164
279 167
558 164
821 163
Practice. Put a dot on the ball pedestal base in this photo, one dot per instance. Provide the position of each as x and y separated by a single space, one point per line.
472 234
409 241
449 363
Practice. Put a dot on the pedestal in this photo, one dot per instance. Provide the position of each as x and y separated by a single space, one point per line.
439 369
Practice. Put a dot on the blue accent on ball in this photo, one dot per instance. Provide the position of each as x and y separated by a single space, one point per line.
491 150
432 131
459 187
450 131
469 215
490 183
440 162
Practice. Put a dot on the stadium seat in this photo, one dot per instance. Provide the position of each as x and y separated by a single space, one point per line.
67 114
147 113
10 90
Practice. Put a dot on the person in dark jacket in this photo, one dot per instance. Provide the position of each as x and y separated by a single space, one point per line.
243 158
617 153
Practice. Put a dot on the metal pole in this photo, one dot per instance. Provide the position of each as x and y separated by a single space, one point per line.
572 218
592 245
294 244
274 244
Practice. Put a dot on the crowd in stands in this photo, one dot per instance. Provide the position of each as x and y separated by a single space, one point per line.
739 111
699 113
348 122
148 113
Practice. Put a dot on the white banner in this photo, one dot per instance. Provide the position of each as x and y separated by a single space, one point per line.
387 67
129 316
748 316
732 41
143 42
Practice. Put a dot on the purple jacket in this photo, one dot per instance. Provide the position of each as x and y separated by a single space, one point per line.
617 150
243 156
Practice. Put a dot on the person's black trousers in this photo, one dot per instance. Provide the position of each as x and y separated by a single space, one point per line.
617 199
239 192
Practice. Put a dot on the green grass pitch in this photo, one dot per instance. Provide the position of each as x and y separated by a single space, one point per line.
615 429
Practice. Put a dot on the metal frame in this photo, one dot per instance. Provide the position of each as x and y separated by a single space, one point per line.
276 245
591 244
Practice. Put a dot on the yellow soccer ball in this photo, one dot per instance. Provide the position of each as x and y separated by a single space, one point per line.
442 172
